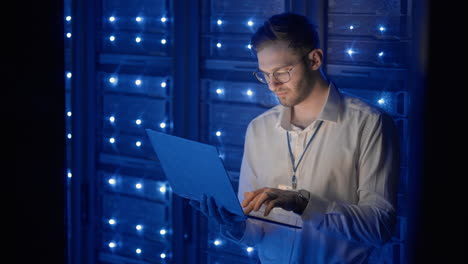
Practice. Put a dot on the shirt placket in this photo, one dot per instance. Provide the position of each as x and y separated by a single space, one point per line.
299 150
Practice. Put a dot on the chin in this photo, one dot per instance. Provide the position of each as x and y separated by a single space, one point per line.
285 103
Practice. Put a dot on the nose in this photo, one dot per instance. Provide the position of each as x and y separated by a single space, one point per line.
273 84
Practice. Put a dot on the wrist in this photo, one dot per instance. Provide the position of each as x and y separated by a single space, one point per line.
302 199
236 231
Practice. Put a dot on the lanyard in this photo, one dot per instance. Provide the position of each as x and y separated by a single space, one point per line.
294 179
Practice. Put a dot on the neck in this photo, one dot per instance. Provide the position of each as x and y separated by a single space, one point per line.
304 113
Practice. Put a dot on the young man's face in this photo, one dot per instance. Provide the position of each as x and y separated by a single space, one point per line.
279 57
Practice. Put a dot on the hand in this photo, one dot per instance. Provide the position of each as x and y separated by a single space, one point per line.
227 220
271 197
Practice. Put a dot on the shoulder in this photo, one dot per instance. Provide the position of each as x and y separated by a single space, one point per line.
359 108
269 118
264 123
365 115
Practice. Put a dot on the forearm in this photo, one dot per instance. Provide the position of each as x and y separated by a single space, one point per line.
250 233
365 223
362 223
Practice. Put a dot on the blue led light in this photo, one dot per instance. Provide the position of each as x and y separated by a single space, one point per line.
163 256
382 28
69 174
163 84
112 119
68 18
163 19
217 242
138 82
137 39
162 125
69 75
69 113
112 140
69 35
138 143
249 92
218 133
351 27
162 189
112 181
111 19
219 22
139 227
69 136
162 232
112 221
350 52
250 23
112 244
113 80
219 91
112 38
381 101
219 45
250 249
381 54
138 185
138 250
138 121
163 41
249 46
138 19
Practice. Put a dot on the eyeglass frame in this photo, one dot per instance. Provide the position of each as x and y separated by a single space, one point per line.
273 73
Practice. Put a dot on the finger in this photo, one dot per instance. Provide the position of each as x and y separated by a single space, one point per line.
248 196
248 209
229 217
263 198
195 204
224 215
204 206
261 190
251 206
213 210
270 205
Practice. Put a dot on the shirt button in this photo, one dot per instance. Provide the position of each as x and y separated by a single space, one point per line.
301 137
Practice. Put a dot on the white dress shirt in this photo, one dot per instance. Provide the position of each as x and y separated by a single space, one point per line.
351 170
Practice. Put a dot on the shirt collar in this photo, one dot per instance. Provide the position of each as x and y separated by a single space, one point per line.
330 111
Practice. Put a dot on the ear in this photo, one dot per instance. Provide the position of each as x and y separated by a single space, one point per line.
315 59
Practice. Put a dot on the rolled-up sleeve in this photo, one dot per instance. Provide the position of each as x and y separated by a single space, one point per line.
372 219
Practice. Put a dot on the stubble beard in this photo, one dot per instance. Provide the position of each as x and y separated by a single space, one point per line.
302 91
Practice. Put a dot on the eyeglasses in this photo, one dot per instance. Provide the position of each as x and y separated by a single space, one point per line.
280 76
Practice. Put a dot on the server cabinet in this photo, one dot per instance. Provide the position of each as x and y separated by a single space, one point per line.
184 68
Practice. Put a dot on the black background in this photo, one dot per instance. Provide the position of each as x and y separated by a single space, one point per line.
438 229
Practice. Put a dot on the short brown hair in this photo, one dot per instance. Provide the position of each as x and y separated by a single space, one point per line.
296 29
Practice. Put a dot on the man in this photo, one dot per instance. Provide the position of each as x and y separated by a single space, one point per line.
322 156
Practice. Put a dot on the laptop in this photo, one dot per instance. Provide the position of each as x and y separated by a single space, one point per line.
193 169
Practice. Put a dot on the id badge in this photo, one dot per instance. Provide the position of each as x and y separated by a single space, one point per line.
284 187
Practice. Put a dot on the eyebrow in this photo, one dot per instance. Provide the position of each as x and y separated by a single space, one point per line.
275 69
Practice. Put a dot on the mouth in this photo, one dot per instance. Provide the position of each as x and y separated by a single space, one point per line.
281 93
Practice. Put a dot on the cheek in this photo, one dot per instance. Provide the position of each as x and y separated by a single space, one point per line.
297 86
299 82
